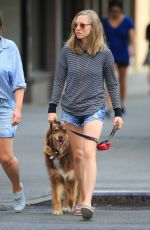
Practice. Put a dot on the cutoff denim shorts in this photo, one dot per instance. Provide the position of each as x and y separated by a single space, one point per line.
6 128
82 120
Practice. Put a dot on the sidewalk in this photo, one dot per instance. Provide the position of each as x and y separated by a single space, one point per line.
125 168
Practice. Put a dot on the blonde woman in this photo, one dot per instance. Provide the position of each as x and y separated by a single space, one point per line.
84 64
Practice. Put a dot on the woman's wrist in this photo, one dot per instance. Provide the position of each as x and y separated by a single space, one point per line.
118 112
52 108
18 108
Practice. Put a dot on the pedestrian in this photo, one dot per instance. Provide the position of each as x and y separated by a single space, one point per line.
147 59
119 31
12 86
84 64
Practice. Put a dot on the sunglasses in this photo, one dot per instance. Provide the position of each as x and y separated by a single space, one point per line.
81 25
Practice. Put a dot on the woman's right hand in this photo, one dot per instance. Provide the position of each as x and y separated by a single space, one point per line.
52 117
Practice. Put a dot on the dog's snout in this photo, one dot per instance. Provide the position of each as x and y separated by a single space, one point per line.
60 137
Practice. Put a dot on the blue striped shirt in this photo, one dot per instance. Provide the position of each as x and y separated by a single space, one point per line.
11 71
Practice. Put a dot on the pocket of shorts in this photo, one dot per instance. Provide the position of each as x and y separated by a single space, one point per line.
5 104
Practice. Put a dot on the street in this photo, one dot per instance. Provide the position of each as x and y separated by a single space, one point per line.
106 218
124 168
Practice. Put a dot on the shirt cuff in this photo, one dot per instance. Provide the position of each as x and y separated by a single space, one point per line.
20 86
118 112
52 108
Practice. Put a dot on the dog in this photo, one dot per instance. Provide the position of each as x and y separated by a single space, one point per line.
59 163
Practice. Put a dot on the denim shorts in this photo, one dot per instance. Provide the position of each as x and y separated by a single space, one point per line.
82 120
6 128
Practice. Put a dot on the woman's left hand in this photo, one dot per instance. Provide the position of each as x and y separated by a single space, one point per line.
118 121
16 117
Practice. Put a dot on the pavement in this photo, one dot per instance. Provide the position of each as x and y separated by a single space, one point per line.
123 171
106 218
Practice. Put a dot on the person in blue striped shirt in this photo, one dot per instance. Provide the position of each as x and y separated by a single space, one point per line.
12 87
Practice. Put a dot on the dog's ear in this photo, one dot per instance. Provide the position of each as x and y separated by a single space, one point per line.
47 150
49 132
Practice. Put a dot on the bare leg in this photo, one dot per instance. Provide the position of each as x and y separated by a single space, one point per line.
94 129
9 163
122 82
76 143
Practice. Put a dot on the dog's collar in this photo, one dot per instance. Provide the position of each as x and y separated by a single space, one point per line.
54 155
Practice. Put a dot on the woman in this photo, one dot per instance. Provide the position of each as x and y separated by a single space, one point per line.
119 30
84 64
12 87
147 59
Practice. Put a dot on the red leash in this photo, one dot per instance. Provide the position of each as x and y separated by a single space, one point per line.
103 145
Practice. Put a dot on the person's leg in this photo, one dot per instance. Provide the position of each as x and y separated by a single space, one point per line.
94 129
10 163
76 143
122 83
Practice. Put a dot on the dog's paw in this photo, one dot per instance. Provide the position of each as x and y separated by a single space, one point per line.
66 209
57 212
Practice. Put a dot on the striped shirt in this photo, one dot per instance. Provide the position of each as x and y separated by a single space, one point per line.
84 78
11 71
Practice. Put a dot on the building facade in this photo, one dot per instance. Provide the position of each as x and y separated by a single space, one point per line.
40 28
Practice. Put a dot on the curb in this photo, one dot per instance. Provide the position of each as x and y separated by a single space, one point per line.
101 198
121 198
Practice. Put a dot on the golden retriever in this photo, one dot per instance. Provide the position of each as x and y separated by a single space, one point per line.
60 168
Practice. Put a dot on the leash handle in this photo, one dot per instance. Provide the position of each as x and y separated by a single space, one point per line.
115 128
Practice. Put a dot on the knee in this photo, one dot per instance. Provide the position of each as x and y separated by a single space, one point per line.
78 156
89 153
6 160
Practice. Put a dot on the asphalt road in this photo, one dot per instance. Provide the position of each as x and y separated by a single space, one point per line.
107 218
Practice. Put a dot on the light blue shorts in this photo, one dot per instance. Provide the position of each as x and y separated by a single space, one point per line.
6 128
82 120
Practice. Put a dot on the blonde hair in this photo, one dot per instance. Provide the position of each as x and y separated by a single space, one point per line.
96 39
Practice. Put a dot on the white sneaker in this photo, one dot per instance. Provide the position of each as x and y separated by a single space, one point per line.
19 202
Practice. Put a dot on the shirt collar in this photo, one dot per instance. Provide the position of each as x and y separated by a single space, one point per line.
3 43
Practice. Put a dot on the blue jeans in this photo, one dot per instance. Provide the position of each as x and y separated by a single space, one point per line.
6 128
82 120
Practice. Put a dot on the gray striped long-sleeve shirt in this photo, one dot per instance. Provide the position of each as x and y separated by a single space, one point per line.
84 78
